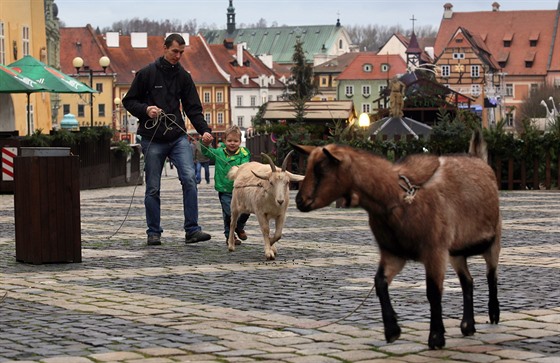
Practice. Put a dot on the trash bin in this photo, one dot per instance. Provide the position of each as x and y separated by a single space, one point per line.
47 206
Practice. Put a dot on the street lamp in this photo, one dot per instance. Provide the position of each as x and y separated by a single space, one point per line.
78 63
363 122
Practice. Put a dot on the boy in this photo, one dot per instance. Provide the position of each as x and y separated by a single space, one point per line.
225 157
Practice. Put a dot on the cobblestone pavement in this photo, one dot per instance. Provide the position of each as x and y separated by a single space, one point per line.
127 302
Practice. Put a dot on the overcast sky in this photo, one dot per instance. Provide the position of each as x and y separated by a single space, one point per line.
102 13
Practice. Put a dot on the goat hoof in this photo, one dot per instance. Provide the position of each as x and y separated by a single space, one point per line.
436 340
467 328
392 334
494 314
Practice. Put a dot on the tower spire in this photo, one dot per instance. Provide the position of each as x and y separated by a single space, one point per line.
230 18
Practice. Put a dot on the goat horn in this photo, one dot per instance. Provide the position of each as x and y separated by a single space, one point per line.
285 163
272 166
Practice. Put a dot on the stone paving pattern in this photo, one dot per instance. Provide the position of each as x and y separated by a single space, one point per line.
127 302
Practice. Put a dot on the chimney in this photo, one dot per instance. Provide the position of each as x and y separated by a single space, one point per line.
139 40
447 11
112 39
240 54
495 6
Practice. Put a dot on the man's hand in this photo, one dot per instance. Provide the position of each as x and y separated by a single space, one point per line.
153 111
207 138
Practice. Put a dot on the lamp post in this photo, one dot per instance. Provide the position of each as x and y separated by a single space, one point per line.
78 63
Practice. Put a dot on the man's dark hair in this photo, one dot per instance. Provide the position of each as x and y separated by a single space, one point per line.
174 37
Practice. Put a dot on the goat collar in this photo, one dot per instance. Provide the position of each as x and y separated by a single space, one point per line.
409 189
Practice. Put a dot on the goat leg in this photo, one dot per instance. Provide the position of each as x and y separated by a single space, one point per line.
232 227
493 303
265 229
391 327
434 287
279 225
459 264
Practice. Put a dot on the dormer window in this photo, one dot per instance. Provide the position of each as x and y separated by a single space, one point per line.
529 59
385 67
508 38
534 39
367 67
244 79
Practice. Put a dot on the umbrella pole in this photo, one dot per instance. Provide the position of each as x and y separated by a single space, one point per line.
28 116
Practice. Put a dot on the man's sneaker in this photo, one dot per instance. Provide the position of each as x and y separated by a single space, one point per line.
154 240
197 236
241 234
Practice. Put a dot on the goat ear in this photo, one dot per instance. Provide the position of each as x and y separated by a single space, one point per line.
264 176
330 156
303 149
295 177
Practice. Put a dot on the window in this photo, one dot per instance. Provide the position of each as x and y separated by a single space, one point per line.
25 40
81 112
367 67
240 121
366 107
509 119
532 43
528 64
253 101
2 44
349 90
382 88
475 71
324 81
99 87
458 55
208 117
219 97
264 99
366 90
65 109
220 118
385 67
475 90
507 43
206 97
509 89
445 70
534 88
239 101
101 110
340 44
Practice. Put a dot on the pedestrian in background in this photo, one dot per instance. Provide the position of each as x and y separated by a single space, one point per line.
203 162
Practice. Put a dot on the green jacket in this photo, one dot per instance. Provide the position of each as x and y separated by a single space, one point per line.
223 162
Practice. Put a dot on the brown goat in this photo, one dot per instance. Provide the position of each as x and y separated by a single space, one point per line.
425 208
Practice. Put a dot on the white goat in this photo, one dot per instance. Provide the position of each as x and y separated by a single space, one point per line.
263 190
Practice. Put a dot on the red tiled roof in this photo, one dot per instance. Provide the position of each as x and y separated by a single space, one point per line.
355 69
126 60
253 67
493 27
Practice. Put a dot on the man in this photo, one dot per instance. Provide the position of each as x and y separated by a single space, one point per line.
156 95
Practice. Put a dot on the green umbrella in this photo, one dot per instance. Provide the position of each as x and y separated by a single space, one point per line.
49 77
14 82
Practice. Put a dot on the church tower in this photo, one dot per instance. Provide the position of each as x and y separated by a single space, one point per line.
230 18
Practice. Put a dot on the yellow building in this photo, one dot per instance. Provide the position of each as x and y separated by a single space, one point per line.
22 32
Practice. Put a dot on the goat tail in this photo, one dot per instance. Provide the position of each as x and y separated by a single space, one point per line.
232 172
478 145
